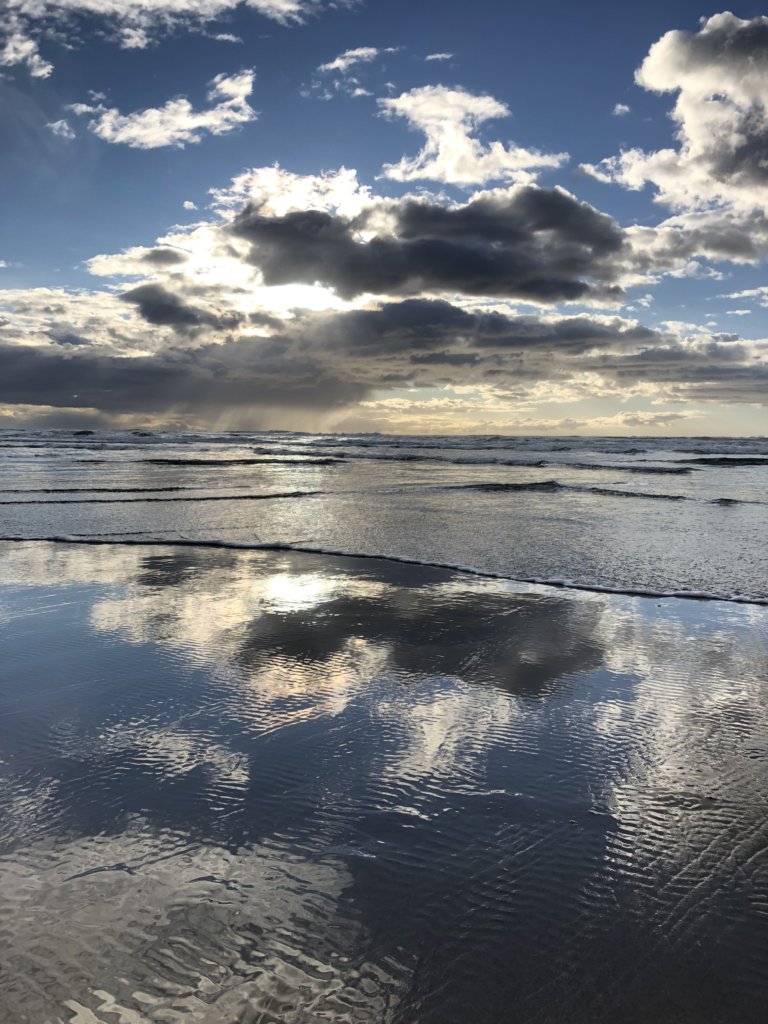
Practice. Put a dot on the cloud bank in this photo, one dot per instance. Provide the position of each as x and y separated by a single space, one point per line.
304 300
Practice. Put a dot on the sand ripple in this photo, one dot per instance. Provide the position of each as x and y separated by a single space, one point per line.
274 787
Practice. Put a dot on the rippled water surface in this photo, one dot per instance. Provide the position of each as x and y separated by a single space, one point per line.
282 787
653 515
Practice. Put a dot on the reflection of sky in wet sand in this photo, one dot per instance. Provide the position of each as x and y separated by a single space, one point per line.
250 787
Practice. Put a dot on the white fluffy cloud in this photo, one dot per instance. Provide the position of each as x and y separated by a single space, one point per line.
134 23
16 47
360 55
450 118
176 123
720 75
760 293
276 192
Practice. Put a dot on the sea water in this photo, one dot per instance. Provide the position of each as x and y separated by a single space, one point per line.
645 515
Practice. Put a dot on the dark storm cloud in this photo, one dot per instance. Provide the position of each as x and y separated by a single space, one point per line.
416 325
67 338
513 220
572 336
325 361
229 376
536 244
395 328
446 359
163 308
421 342
164 256
719 372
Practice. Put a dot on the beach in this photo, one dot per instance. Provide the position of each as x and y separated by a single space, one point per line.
283 786
642 515
383 512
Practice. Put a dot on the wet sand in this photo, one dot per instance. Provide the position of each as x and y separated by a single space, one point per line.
282 787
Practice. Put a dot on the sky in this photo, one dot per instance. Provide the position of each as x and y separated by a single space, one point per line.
519 217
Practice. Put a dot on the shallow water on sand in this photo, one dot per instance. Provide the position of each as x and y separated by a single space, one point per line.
653 515
280 787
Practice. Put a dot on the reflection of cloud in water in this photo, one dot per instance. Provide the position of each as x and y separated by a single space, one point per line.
322 634
440 737
689 747
290 631
353 758
199 612
49 565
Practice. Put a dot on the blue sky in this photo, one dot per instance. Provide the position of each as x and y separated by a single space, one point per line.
526 102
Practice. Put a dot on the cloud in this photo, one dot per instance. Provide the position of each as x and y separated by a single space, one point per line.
160 307
303 296
527 243
700 367
334 77
176 123
137 261
207 367
233 382
415 328
134 24
449 118
483 413
720 75
19 48
189 205
439 56
276 192
360 55
62 129
279 240
712 234
620 110
760 293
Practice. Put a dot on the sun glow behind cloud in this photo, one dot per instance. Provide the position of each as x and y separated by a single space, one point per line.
462 287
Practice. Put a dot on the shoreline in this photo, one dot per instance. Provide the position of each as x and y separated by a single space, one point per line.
554 584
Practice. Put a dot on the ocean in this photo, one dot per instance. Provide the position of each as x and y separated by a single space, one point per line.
633 515
382 730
